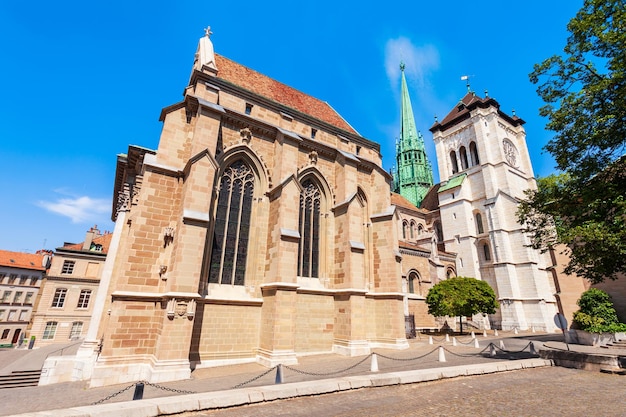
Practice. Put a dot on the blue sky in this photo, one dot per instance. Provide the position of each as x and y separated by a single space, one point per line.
80 81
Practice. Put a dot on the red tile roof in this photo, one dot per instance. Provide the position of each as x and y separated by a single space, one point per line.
21 260
264 86
104 240
399 201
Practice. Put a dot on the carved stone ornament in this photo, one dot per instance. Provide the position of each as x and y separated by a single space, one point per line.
313 157
123 200
246 135
181 308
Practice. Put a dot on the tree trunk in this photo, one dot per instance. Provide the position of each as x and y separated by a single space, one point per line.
461 323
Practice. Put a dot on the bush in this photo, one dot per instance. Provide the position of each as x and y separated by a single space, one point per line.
597 314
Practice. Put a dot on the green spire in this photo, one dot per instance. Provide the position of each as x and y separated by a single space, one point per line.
413 173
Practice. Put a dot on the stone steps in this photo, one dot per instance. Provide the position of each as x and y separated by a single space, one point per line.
18 379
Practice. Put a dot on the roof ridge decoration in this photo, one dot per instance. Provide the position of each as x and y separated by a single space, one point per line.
205 55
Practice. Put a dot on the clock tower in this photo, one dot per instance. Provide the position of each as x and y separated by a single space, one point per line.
485 167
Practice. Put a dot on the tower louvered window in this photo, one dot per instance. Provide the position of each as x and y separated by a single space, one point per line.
309 225
232 225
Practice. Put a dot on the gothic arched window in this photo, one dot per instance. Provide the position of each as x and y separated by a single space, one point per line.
455 166
486 251
479 224
405 226
412 229
438 231
232 225
463 155
309 227
474 153
414 282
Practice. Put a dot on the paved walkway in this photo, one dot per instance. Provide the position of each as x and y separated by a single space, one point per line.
414 364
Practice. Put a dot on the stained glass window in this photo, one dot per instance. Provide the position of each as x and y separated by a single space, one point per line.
232 225
309 227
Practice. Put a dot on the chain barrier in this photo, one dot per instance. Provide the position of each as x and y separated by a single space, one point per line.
470 342
510 331
328 373
463 355
407 359
511 351
114 394
437 339
255 378
178 391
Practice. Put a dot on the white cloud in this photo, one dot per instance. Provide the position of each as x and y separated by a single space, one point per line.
418 60
79 209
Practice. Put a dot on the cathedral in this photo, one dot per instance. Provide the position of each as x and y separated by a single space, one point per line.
264 227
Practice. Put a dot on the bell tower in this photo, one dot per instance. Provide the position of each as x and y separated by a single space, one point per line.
485 168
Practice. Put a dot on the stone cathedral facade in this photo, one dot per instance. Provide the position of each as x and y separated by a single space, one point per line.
263 227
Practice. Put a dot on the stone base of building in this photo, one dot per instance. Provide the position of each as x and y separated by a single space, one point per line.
111 371
66 369
528 315
212 363
351 347
275 357
388 343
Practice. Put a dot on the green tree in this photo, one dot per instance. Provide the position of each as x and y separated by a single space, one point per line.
597 313
461 296
584 89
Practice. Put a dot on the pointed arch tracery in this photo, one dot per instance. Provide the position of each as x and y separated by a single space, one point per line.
231 231
309 222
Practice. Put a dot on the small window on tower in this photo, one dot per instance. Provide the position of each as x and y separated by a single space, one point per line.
313 133
248 108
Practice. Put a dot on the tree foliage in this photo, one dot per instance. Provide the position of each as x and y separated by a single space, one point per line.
584 90
461 296
597 313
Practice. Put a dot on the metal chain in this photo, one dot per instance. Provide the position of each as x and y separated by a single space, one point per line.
178 391
511 351
254 379
438 340
407 359
468 355
328 373
113 395
465 343
509 331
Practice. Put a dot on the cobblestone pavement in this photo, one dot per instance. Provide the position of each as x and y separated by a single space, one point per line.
552 391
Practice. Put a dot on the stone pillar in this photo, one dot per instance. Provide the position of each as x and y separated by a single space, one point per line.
351 321
278 323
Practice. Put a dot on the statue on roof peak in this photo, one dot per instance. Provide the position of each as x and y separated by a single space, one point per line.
204 54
